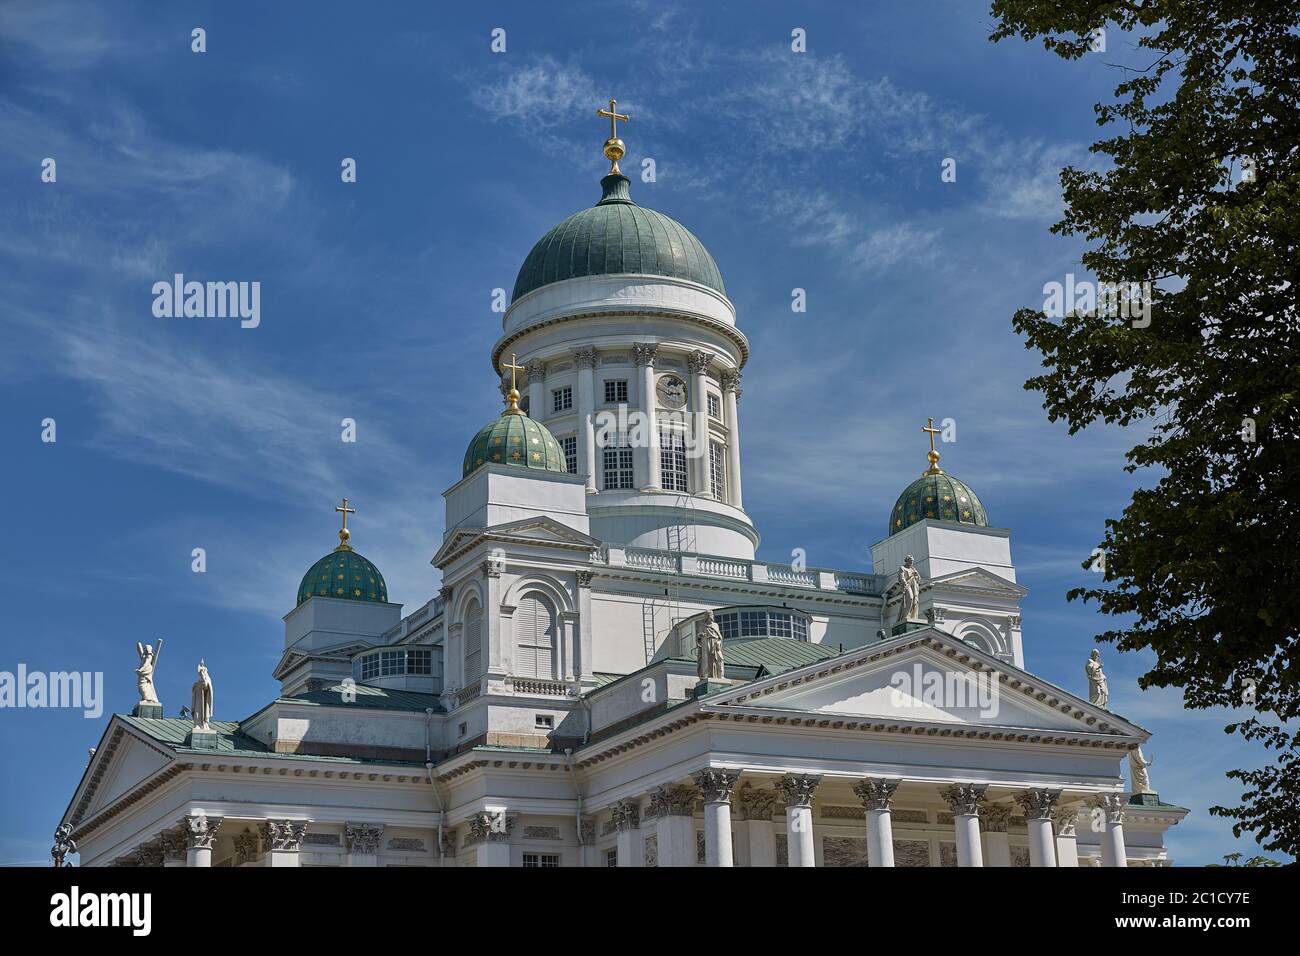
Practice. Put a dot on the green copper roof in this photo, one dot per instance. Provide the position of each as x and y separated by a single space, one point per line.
616 236
512 438
938 495
344 574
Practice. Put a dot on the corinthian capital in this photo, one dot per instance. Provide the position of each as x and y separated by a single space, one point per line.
875 792
698 362
643 353
716 785
731 381
1038 804
584 357
283 834
200 831
964 798
798 789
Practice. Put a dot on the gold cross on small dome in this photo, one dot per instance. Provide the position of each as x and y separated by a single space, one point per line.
512 398
344 533
934 468
615 148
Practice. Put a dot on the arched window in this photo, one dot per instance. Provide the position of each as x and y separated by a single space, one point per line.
535 638
473 642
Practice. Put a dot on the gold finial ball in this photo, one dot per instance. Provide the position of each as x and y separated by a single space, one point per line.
615 149
344 534
513 395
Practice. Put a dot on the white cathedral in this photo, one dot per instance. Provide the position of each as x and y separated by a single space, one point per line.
608 676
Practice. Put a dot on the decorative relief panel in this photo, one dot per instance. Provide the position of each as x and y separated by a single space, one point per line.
844 851
947 853
911 853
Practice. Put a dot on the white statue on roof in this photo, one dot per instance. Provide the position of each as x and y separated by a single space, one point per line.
1138 763
201 700
909 583
144 673
1098 687
708 641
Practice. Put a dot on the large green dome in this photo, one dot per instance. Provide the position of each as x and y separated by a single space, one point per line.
937 494
614 237
512 438
344 574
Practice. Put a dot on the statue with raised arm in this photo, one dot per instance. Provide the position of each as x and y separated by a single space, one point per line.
909 583
1098 690
144 673
1137 770
201 700
708 642
63 844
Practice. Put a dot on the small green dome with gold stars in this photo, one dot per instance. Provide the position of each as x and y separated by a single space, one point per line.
512 438
343 573
936 494
346 575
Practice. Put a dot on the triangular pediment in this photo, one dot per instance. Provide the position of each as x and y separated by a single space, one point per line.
926 678
537 530
979 579
123 760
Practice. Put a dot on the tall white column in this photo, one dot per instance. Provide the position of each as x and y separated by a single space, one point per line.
731 399
644 353
281 841
1038 805
798 790
994 819
1064 820
717 786
200 833
964 800
490 829
585 361
582 634
627 820
876 794
362 841
538 408
1113 852
698 362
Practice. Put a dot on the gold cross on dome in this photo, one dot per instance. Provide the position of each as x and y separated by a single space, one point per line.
513 366
934 468
615 149
614 117
344 533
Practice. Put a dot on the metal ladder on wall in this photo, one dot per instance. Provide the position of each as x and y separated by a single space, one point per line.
679 539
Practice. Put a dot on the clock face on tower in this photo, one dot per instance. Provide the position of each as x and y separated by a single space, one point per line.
671 391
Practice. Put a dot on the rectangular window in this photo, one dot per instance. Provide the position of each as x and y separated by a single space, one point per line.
369 667
729 624
715 407
570 445
753 623
672 460
611 857
718 470
541 860
393 663
617 461
419 661
615 391
545 721
800 628
561 399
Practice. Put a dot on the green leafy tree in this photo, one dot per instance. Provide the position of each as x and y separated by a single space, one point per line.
1196 189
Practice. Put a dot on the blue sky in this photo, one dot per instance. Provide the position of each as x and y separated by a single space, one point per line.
819 171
